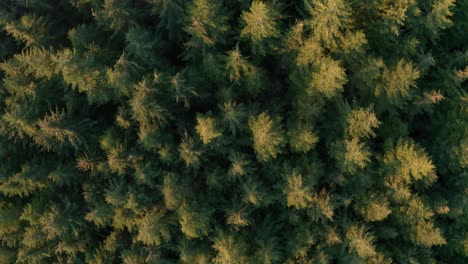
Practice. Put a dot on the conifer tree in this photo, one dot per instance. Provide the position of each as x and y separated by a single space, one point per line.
244 73
260 24
374 208
329 19
206 129
142 44
397 81
360 242
170 14
207 24
351 155
117 14
188 152
408 162
233 116
229 249
30 29
267 136
152 228
302 139
328 79
361 122
298 193
194 223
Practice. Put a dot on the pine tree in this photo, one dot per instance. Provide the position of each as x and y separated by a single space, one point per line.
154 228
25 182
329 18
351 155
260 24
182 91
269 250
408 162
233 116
396 15
142 44
120 76
31 29
361 122
302 140
207 24
298 193
117 14
100 216
189 153
374 208
191 252
83 72
268 137
147 112
309 53
194 221
427 235
240 165
328 79
206 129
57 128
397 81
360 242
255 194
244 73
9 215
439 16
237 218
229 250
38 62
171 15
172 191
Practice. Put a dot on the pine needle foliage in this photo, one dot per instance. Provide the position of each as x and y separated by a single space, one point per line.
233 132
267 136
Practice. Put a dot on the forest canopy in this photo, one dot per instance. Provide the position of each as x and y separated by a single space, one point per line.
233 132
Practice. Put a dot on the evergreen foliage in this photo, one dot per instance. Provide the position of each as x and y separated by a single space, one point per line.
267 137
247 131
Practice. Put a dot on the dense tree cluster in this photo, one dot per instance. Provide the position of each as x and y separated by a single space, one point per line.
231 132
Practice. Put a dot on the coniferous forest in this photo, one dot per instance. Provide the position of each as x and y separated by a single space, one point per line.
233 132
